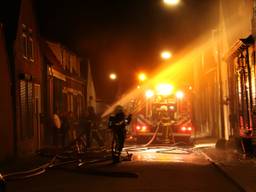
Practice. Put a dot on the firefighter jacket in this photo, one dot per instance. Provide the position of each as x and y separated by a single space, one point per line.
118 121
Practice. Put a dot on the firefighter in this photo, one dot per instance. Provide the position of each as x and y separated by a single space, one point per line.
165 122
117 123
92 128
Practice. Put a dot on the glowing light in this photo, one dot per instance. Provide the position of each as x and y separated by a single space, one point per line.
149 93
171 2
189 128
183 129
179 94
164 89
163 108
141 128
142 77
166 55
144 128
179 70
112 76
204 145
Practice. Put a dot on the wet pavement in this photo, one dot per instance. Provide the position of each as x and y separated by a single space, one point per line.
240 170
174 154
158 172
233 164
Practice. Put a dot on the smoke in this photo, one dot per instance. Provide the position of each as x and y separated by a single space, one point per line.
189 58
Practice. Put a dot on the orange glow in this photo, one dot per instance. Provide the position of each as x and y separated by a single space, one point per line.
144 128
164 89
166 55
142 77
112 76
175 72
171 2
141 128
179 94
149 93
179 70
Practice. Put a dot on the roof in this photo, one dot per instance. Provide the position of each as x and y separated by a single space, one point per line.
239 46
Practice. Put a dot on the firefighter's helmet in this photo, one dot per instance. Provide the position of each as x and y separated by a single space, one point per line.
119 109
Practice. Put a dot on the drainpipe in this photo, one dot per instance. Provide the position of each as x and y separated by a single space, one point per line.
254 19
220 51
222 123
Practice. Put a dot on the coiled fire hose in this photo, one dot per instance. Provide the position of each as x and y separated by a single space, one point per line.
41 169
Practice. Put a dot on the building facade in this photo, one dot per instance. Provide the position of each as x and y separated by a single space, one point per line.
66 89
242 80
6 115
38 77
27 81
240 65
214 75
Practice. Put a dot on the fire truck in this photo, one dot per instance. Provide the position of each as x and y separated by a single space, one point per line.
162 116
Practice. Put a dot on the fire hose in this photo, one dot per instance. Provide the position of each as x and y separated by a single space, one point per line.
149 142
50 164
144 146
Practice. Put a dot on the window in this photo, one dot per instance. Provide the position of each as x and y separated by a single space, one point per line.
30 49
26 109
27 43
24 45
68 62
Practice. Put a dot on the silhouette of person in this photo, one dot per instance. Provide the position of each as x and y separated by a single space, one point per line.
117 123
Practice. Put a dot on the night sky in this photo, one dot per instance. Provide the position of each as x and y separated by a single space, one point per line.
124 36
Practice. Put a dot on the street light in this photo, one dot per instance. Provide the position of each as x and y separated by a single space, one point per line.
171 2
112 76
149 93
166 55
142 77
179 95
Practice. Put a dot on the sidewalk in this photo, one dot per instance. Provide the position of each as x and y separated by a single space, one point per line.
241 170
